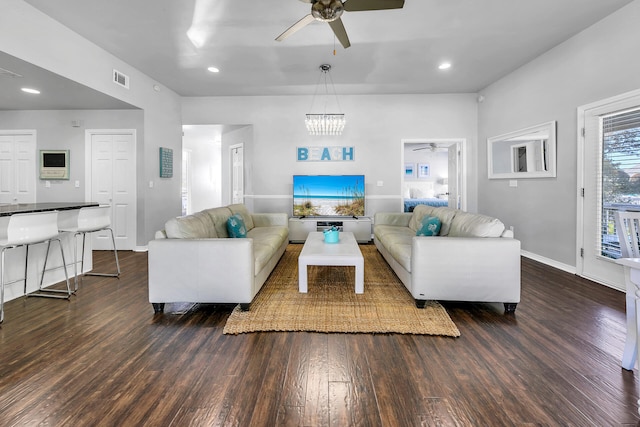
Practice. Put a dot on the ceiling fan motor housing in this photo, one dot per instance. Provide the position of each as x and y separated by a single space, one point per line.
327 10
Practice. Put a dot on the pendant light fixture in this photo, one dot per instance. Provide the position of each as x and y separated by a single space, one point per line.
325 123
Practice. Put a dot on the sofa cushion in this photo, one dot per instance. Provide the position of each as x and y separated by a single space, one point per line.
236 227
196 226
241 209
419 212
467 224
266 241
446 216
273 235
402 254
383 231
430 226
398 242
219 217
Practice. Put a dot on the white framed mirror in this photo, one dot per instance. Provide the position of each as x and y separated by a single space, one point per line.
525 153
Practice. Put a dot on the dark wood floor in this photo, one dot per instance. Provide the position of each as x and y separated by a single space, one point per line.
104 359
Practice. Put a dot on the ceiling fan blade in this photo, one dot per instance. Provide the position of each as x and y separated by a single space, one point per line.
340 32
295 27
359 5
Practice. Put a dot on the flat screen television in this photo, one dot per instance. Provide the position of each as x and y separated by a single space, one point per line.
328 195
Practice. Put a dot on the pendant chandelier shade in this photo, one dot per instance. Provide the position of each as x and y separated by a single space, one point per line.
325 123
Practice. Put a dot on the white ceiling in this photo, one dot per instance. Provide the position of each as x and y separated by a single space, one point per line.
392 51
56 92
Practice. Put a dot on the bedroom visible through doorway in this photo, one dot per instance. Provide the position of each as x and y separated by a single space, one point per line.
432 173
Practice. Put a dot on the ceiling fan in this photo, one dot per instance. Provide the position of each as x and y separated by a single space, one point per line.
432 146
330 11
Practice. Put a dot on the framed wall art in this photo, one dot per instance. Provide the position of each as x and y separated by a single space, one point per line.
423 170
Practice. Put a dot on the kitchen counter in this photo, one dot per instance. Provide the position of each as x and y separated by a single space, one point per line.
10 209
15 259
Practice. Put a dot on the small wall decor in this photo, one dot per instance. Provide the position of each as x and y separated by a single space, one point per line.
166 162
409 171
54 164
423 170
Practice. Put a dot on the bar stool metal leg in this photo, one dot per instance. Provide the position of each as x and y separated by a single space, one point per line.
45 292
2 270
84 240
115 253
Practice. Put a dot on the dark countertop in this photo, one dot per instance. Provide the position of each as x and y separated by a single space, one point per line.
8 210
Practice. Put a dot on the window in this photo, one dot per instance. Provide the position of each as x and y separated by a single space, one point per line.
620 173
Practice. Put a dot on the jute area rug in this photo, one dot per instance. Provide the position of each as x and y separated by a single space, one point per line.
331 304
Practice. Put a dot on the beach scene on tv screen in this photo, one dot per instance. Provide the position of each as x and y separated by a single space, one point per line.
328 195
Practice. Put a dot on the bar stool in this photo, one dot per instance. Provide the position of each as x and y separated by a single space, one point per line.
90 220
30 229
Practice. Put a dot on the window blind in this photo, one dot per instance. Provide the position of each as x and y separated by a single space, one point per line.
620 175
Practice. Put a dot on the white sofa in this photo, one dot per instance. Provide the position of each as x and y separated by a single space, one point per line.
473 258
194 260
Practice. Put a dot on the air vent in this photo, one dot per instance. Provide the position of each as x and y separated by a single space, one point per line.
121 79
7 73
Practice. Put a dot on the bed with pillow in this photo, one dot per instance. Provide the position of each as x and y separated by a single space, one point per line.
410 204
219 255
422 193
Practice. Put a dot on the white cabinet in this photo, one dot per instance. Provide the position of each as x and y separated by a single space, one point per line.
299 228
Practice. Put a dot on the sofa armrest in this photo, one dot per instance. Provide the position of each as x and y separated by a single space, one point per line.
466 268
201 270
270 219
400 219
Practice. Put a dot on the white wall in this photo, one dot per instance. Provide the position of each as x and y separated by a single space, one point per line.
376 125
54 132
28 34
600 62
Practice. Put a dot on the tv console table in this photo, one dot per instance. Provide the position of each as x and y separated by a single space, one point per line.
299 228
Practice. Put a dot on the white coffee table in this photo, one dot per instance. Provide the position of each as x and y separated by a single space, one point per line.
344 253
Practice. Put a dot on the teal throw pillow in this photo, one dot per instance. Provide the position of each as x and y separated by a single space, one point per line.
236 227
430 226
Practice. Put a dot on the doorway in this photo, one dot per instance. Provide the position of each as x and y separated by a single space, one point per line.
433 173
608 177
202 167
236 155
608 174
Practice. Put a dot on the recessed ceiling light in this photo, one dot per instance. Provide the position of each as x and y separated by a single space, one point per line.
29 90
213 69
444 66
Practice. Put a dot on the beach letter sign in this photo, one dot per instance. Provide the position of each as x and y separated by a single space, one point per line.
325 154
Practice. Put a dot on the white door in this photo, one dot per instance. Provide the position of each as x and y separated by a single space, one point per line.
113 182
237 174
597 242
18 166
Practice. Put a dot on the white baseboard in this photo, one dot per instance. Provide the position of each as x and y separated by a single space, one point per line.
141 249
548 261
